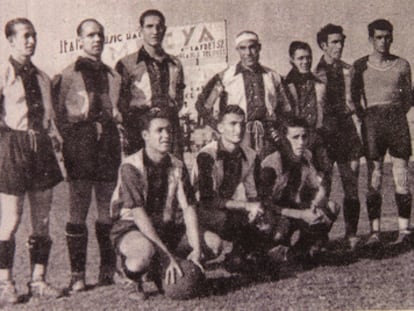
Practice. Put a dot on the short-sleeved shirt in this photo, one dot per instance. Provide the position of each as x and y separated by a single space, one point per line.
232 174
131 192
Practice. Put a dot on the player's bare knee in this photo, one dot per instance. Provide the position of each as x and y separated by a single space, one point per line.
213 242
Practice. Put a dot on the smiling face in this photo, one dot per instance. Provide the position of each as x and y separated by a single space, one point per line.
333 46
92 39
298 140
249 52
381 41
302 60
23 41
158 135
153 30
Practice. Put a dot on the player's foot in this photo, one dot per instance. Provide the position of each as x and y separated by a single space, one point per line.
106 276
353 243
77 282
279 254
42 289
373 240
138 293
403 237
8 293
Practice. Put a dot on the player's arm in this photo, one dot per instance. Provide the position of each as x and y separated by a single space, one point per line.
132 198
209 197
407 94
208 97
180 88
125 94
187 201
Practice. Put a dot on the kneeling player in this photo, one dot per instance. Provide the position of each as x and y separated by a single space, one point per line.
294 196
148 223
225 176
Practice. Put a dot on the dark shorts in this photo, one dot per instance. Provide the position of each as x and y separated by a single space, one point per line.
24 169
87 158
170 234
386 128
341 140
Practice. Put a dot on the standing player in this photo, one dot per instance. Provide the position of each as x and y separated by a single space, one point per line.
226 209
153 206
148 76
256 89
86 96
340 132
307 97
381 91
27 162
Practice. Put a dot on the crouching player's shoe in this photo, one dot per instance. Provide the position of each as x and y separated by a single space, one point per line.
8 293
404 237
42 289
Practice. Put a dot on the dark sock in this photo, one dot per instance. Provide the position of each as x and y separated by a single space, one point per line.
107 252
7 249
77 240
374 202
352 209
403 204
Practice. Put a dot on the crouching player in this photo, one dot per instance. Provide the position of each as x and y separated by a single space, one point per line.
149 224
225 177
294 196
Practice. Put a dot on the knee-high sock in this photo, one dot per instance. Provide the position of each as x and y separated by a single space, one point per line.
374 202
7 249
39 249
107 252
77 240
352 209
403 202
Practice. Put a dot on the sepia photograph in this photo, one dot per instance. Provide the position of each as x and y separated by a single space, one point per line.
206 155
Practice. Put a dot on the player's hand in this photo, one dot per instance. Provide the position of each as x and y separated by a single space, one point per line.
254 210
173 270
311 217
99 130
195 257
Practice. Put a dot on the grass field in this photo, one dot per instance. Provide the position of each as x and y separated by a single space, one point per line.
340 282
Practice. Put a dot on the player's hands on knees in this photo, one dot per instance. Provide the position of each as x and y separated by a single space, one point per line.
310 216
173 272
254 210
195 257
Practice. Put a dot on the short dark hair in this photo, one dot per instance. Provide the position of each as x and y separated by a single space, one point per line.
230 109
79 29
379 24
151 13
9 28
325 31
293 121
298 45
150 113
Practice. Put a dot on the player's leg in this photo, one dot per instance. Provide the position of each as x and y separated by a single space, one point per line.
40 243
374 198
103 226
11 207
77 231
349 172
402 195
137 254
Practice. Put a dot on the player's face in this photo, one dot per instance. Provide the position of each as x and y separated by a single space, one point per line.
302 60
249 51
231 128
334 46
24 40
158 135
153 31
381 41
298 140
92 39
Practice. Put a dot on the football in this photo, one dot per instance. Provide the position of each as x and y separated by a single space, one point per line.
188 285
